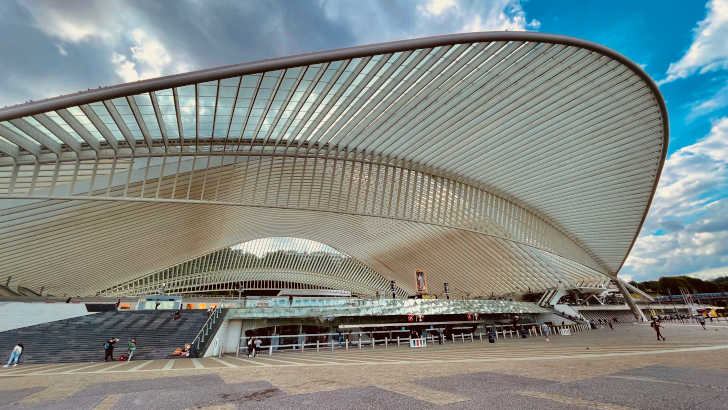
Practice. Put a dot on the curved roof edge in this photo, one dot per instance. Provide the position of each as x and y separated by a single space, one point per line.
175 80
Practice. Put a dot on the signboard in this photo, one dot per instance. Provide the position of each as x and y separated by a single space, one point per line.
565 331
418 343
420 282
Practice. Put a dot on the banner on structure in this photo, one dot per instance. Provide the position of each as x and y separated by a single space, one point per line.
421 282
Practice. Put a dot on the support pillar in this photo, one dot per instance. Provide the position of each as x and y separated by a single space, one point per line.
630 302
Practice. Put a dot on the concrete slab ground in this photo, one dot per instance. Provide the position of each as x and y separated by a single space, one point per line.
621 369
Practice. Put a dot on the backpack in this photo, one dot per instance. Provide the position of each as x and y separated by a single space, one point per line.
106 346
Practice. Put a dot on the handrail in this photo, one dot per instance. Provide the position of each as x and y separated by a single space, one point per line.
205 329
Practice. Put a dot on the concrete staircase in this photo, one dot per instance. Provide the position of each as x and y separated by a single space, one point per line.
81 339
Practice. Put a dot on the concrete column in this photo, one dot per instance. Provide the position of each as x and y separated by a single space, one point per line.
630 302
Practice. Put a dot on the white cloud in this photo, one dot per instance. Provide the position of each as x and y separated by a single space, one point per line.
687 228
135 52
61 50
709 274
709 50
148 58
716 102
692 173
436 7
375 23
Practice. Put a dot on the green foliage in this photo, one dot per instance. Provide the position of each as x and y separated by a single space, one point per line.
672 285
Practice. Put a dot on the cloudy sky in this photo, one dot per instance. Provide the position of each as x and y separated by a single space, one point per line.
57 47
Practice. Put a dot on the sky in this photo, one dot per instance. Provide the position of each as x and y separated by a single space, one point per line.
51 48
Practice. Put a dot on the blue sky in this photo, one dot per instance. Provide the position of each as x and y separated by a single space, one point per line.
57 47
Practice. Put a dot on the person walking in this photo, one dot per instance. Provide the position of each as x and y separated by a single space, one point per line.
656 325
132 348
109 349
15 355
251 347
701 320
546 331
258 342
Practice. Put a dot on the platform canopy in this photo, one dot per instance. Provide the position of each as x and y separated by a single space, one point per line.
499 162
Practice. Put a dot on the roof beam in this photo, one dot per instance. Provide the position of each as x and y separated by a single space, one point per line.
79 128
20 140
139 120
59 132
9 148
37 135
158 114
103 129
120 123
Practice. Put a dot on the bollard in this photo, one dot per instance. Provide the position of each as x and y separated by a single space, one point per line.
453 337
480 335
303 343
397 341
347 344
360 342
317 345
373 340
332 345
386 343
270 350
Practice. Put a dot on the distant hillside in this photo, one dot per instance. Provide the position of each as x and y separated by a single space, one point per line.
672 284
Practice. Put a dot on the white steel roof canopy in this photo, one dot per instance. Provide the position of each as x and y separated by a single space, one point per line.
511 134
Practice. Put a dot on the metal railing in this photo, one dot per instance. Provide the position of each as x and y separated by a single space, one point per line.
397 338
202 336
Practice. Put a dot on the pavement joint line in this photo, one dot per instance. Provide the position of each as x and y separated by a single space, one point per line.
435 360
224 362
65 367
573 401
279 360
308 360
146 362
81 368
656 380
106 369
254 362
197 364
168 365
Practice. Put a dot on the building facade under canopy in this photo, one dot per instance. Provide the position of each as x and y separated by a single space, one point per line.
501 163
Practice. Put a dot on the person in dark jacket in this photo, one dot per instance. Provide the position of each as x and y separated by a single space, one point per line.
109 349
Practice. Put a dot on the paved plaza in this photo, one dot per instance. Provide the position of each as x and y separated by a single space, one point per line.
602 369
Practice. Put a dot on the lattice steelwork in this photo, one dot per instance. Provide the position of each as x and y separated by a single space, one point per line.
268 264
542 149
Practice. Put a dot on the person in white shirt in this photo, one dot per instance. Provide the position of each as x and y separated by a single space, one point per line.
15 355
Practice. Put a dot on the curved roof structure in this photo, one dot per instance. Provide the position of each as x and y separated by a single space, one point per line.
498 161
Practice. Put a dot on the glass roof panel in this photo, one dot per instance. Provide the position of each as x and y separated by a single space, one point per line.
187 107
206 97
144 104
225 102
85 122
21 132
106 118
32 121
122 107
165 101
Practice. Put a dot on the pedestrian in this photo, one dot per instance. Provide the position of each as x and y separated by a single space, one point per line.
546 331
177 314
156 306
701 320
258 342
109 349
15 355
610 325
656 325
491 335
118 302
132 348
251 347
